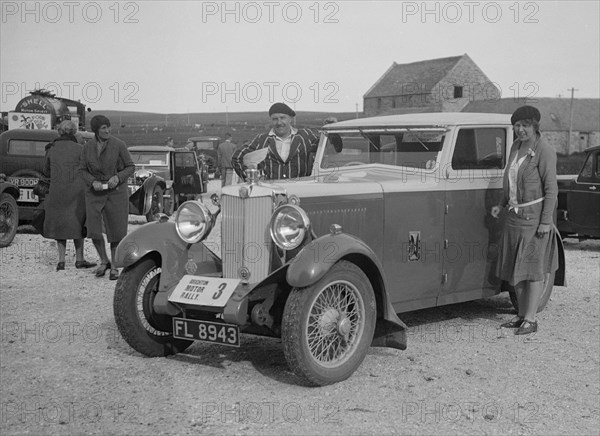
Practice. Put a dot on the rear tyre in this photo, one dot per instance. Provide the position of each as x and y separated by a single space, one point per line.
157 205
546 293
9 219
144 330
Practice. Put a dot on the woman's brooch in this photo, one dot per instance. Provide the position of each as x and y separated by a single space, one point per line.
530 152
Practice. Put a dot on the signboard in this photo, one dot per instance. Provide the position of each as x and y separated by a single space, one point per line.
31 121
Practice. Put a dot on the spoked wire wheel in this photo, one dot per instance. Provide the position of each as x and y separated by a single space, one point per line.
328 326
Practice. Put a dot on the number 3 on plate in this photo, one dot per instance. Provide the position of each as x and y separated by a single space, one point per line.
217 294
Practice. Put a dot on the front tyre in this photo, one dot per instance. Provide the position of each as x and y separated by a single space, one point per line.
9 219
328 327
144 330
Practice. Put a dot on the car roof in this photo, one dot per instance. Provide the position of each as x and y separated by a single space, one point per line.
204 138
164 148
41 134
422 119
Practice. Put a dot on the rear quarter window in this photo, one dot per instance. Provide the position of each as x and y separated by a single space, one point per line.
21 147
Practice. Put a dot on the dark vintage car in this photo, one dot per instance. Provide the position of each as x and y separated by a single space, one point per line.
164 178
22 153
206 150
396 217
579 199
9 211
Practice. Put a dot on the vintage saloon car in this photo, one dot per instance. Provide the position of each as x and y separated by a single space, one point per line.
22 153
164 178
579 199
396 217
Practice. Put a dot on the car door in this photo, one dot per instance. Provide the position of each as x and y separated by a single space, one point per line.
473 184
413 222
186 175
584 198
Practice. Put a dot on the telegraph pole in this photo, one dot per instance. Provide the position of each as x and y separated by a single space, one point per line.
571 118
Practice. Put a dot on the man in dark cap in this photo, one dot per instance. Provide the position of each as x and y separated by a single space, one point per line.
282 153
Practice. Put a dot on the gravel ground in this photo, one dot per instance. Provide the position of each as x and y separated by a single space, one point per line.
66 370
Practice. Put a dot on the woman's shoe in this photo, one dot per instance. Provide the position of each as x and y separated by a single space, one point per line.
84 264
60 266
513 323
527 327
102 269
114 274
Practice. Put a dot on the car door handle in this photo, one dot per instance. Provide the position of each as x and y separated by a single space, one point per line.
593 188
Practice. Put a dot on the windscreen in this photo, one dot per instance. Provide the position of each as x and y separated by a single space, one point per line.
150 158
410 148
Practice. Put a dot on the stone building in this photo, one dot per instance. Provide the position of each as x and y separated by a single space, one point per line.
445 84
556 119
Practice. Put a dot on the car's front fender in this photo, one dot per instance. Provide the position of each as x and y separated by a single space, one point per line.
148 191
317 258
9 188
176 257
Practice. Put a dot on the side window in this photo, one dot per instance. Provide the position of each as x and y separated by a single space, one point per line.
587 171
482 148
26 148
185 160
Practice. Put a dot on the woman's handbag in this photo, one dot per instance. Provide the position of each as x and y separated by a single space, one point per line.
42 187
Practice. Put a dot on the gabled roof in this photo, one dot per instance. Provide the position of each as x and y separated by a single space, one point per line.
556 112
424 75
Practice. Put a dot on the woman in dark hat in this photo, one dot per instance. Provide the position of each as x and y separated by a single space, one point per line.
105 166
65 202
527 249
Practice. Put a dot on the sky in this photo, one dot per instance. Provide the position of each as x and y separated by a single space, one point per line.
213 56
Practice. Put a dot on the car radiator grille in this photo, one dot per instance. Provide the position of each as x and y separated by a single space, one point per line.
245 239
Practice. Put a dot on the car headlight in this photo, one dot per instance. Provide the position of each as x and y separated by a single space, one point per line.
193 221
289 226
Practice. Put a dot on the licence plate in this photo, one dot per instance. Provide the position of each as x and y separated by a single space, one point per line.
203 291
206 331
27 196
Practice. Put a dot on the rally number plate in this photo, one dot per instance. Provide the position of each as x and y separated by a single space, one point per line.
206 331
203 291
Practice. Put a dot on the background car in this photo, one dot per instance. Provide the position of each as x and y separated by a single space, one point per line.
22 153
579 199
164 178
9 211
205 148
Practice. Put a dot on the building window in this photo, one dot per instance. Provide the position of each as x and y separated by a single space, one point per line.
458 92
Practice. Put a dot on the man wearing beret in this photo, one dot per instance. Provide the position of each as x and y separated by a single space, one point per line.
284 152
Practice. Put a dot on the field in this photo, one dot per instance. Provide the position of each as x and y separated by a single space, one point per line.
140 128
